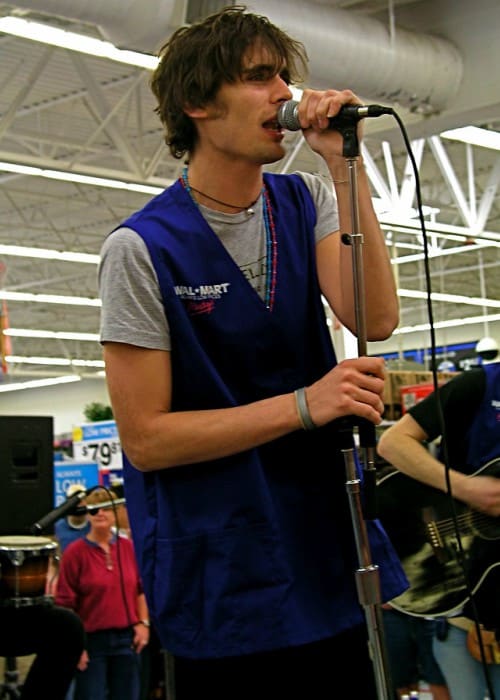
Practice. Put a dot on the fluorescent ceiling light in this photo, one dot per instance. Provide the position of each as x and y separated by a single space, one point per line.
35 383
452 298
470 321
402 212
64 361
48 254
52 335
36 31
48 298
77 177
475 136
443 252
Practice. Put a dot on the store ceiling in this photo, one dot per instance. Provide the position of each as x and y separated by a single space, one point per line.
67 111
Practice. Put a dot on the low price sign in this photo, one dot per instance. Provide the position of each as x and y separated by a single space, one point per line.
98 442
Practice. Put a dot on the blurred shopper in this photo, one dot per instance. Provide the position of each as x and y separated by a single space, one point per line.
67 530
411 658
72 527
99 579
409 637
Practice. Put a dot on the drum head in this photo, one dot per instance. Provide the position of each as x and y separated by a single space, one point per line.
26 543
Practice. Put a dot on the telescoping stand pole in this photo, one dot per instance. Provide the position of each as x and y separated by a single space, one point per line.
367 575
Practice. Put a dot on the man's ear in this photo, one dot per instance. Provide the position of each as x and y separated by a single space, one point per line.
195 112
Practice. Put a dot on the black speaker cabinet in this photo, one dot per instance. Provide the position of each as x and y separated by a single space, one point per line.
26 472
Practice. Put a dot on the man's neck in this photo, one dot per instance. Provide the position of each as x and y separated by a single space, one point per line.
238 183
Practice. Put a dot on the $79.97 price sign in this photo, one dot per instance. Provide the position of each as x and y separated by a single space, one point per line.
98 442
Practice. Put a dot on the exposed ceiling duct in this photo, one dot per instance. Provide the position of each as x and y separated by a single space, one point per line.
139 25
417 71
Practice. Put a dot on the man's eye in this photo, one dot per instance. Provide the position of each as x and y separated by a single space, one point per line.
259 75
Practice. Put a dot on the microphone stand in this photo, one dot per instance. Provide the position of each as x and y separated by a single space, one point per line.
367 575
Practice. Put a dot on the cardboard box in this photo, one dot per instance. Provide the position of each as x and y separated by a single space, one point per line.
403 388
393 383
411 395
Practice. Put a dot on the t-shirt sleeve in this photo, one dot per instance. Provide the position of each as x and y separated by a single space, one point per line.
459 398
132 309
323 194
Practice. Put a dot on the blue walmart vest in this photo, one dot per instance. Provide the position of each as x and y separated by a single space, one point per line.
254 551
484 434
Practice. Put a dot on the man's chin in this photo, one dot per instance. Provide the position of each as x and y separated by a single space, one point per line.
278 153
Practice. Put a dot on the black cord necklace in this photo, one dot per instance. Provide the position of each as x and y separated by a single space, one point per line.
270 229
190 188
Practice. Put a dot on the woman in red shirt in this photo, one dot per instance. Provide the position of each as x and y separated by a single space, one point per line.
99 579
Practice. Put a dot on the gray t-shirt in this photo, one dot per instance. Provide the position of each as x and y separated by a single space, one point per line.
132 308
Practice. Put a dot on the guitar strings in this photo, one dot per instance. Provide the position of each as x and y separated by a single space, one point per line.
477 518
447 526
464 518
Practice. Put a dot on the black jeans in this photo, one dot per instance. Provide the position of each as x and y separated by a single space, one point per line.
311 671
55 635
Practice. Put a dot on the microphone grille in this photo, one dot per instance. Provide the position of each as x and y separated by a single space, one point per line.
287 116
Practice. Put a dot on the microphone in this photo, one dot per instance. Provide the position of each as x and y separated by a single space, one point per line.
288 117
94 507
60 512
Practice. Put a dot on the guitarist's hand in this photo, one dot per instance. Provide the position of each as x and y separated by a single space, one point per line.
481 493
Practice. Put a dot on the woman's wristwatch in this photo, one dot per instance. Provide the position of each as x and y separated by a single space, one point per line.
146 623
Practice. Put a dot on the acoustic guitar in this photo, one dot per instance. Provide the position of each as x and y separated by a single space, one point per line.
419 520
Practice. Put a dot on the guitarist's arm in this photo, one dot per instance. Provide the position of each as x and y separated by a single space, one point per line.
403 446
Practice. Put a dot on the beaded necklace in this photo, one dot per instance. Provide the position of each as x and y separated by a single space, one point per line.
271 240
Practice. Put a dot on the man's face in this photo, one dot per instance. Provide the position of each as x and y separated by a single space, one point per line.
241 123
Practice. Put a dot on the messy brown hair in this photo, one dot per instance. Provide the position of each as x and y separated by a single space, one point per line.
197 59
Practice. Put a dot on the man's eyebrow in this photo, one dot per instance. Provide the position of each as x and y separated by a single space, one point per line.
268 67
